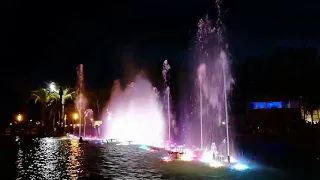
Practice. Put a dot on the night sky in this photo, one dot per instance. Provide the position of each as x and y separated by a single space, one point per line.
45 40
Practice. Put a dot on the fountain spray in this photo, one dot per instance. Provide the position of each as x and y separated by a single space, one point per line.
80 100
137 115
166 68
214 80
226 108
201 134
169 119
201 76
224 61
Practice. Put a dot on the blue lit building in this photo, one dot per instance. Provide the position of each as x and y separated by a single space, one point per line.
269 89
274 104
269 115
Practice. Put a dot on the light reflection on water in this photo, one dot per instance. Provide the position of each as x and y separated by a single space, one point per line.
50 158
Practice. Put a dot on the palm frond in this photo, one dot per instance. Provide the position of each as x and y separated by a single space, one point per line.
44 96
67 94
37 95
34 96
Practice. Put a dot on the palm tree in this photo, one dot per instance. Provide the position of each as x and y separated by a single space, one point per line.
67 93
45 97
54 112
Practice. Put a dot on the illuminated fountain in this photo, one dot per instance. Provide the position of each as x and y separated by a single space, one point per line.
135 113
88 121
211 110
165 70
80 100
213 85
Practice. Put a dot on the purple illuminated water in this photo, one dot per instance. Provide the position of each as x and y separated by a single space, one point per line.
212 85
135 113
165 74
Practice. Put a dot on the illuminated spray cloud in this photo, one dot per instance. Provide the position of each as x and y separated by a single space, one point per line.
81 100
134 113
88 117
167 102
212 85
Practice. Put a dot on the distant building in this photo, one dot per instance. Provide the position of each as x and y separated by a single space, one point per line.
274 105
272 87
295 106
315 118
270 115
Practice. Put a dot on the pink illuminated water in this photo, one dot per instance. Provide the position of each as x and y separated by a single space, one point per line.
135 114
80 100
210 104
166 77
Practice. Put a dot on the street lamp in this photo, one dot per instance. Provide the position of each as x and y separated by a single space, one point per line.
52 87
19 117
75 116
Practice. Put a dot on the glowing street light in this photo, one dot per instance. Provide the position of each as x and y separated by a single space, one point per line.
75 116
52 87
19 117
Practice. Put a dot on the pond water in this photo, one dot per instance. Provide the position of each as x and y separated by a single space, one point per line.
53 158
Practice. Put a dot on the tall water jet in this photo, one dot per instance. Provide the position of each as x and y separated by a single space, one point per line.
226 108
80 99
213 82
134 114
225 71
201 76
165 75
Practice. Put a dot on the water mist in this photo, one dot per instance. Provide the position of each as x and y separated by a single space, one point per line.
213 84
135 113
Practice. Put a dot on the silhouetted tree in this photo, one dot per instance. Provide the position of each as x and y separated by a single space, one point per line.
67 93
46 98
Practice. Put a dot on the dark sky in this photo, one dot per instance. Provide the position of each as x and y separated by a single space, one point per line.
46 40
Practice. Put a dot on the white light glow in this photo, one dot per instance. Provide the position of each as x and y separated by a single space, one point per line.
136 114
215 164
240 167
206 156
52 87
188 155
166 159
123 143
232 160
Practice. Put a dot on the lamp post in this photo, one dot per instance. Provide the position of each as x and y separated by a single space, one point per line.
75 117
19 117
52 87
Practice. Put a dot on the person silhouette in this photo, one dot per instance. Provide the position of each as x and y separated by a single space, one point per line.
214 150
82 141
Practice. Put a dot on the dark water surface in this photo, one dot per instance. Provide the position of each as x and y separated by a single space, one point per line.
50 158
